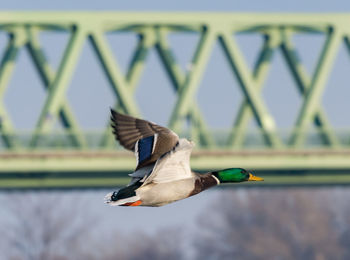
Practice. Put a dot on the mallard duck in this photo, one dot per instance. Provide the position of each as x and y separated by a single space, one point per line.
163 174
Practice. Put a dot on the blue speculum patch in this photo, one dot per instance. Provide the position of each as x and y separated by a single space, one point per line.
145 147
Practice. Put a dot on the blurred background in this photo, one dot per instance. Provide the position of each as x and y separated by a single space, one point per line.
258 85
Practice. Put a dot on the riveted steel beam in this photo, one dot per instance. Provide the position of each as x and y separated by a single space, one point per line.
199 133
146 40
191 82
47 76
314 92
264 119
16 41
261 68
113 73
303 82
59 84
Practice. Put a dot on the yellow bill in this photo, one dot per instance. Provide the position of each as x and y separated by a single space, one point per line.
254 178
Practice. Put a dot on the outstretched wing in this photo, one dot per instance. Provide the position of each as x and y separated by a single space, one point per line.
173 166
148 140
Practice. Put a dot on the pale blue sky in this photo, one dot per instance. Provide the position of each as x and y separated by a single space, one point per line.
183 5
21 95
280 94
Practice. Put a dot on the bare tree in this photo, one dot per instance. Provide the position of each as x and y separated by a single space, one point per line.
164 244
44 226
277 224
243 224
51 226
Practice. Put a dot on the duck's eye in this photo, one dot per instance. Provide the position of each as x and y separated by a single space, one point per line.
243 171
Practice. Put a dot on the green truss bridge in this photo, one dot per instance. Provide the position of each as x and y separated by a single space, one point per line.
74 157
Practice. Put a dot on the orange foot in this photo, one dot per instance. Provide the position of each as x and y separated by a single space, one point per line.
136 203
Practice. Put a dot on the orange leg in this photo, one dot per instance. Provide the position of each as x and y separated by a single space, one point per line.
136 203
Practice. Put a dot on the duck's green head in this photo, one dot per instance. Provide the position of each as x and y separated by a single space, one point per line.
235 175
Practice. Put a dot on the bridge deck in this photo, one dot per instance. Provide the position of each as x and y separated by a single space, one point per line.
98 169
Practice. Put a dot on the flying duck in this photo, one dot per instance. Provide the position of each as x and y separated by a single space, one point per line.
163 174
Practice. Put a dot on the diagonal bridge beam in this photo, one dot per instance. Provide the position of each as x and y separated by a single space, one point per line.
153 31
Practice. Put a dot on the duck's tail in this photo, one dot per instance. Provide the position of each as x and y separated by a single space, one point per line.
112 200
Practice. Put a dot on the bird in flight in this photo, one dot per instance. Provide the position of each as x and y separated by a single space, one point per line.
163 174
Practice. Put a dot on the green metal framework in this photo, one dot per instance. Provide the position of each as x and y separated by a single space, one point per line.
23 29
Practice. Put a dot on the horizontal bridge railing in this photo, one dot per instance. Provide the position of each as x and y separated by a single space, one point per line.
23 30
95 141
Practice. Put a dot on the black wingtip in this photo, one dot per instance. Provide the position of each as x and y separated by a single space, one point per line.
113 118
112 111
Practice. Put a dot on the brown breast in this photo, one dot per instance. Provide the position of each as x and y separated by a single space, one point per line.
203 182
